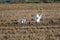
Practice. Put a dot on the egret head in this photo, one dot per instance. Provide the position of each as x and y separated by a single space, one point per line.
37 15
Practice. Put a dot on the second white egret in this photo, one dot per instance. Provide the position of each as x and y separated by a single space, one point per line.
38 17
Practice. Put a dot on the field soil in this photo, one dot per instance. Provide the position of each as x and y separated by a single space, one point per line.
47 29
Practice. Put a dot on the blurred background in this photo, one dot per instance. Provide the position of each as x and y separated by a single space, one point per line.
29 1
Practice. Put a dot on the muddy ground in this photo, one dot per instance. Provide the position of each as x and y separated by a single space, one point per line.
47 29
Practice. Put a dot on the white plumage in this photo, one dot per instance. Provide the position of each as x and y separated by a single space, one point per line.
22 21
38 17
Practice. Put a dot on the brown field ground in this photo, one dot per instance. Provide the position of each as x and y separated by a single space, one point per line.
47 29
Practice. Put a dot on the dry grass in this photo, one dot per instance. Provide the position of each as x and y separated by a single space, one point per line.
47 29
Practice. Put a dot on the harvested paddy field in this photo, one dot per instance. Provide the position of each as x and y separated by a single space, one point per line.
47 29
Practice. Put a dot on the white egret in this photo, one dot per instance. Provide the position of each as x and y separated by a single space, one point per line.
22 21
38 17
